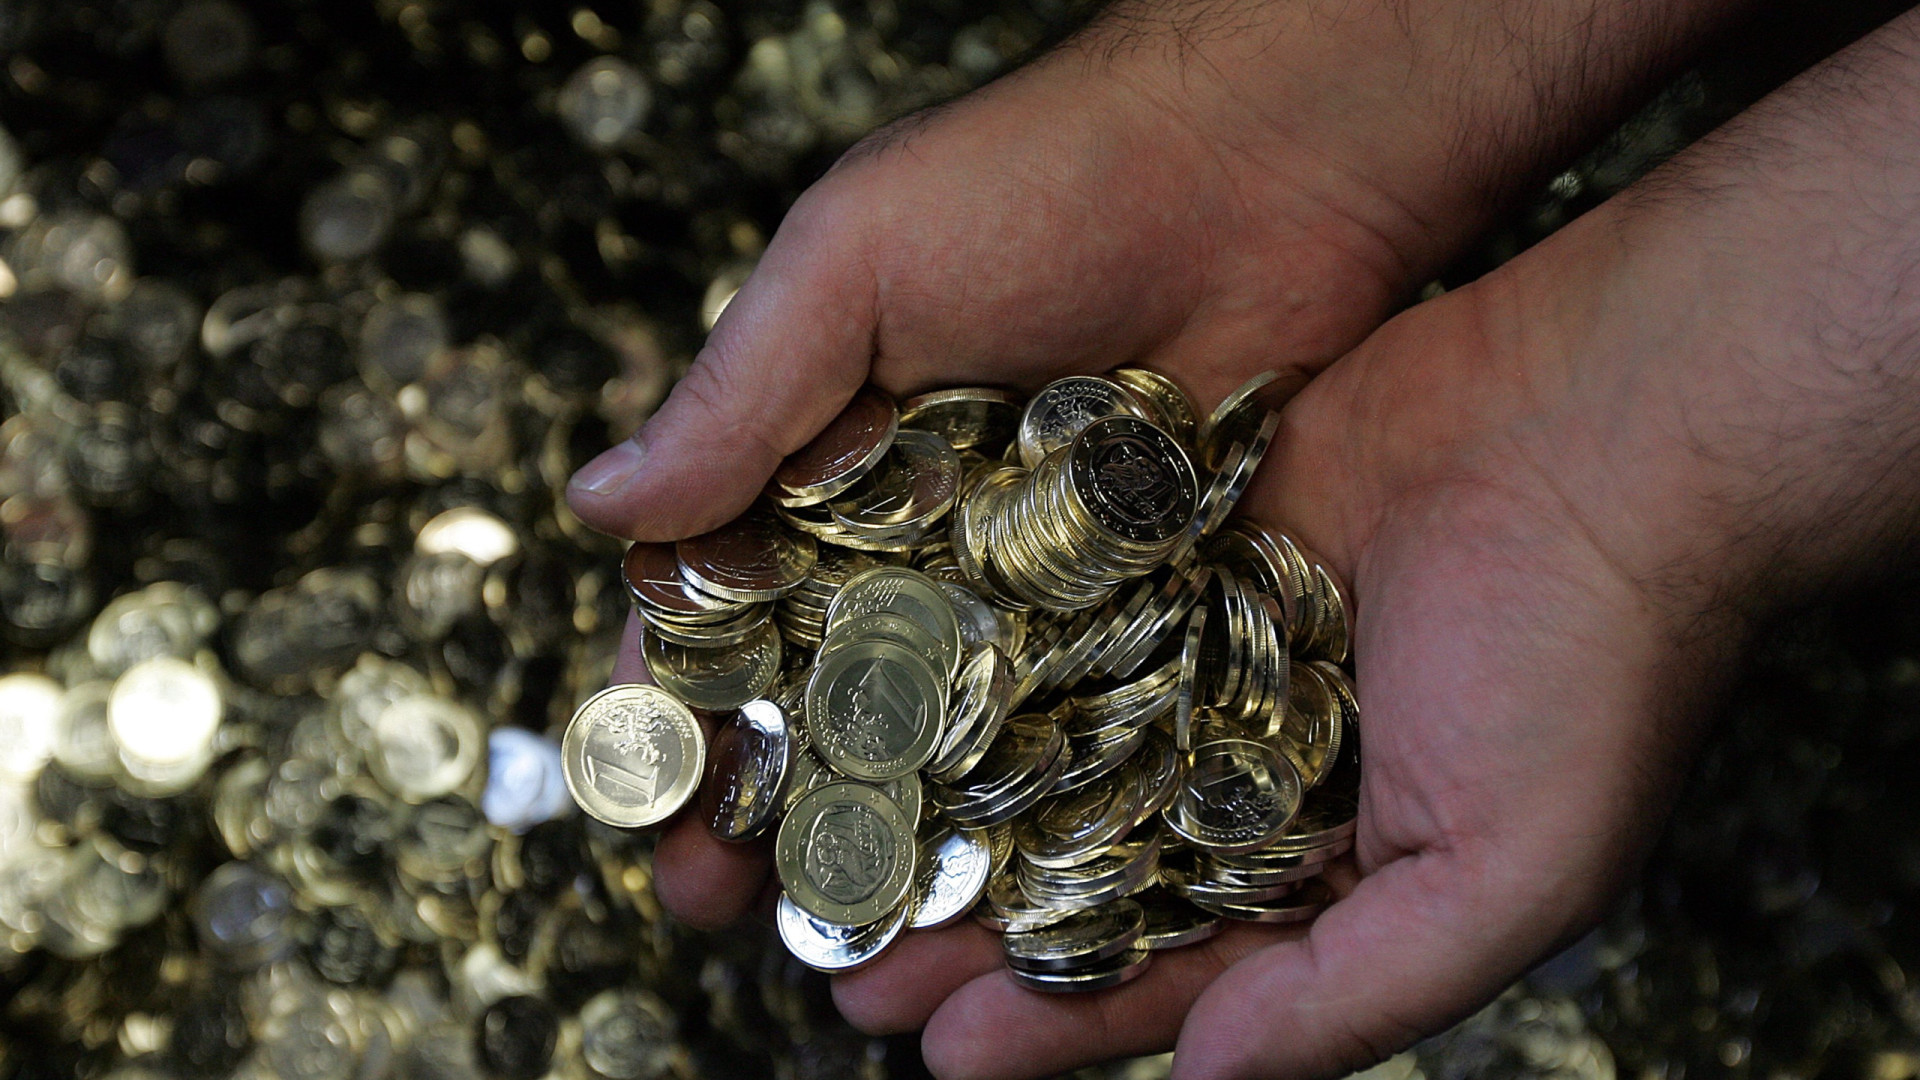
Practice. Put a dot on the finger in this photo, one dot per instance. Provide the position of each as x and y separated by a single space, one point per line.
1415 946
995 1029
788 353
903 988
706 883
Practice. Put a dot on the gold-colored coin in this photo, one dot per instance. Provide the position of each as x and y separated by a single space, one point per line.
846 854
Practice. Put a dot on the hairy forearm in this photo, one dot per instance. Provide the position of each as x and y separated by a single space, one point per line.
1422 114
1742 332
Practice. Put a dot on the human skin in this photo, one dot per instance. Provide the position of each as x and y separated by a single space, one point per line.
1561 496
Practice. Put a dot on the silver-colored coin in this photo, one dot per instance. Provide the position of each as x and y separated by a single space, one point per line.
1080 940
1121 969
893 590
1063 408
723 678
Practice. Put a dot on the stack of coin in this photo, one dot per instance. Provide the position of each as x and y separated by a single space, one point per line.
1031 670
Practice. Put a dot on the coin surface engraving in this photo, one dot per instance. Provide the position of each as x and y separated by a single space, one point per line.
633 755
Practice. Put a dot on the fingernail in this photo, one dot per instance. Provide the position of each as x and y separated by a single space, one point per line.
606 473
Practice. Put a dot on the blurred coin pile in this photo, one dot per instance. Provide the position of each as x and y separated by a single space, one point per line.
1008 658
307 312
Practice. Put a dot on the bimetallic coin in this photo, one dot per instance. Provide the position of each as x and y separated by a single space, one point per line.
751 557
845 451
633 754
1239 417
1238 795
874 710
1063 408
752 763
985 694
1172 922
893 590
1133 480
1302 904
1168 406
724 678
914 486
955 865
846 854
1080 940
830 947
1121 969
966 417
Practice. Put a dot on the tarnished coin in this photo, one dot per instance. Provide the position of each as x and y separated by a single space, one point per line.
894 590
752 557
844 452
874 709
914 486
633 755
830 947
652 575
1063 408
724 678
1123 968
954 867
966 416
752 764
846 854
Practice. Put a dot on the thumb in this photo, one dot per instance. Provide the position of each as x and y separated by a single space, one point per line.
1417 945
785 357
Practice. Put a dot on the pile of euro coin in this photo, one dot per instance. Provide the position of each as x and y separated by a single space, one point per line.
973 655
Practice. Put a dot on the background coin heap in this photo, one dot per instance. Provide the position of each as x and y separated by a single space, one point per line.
1011 659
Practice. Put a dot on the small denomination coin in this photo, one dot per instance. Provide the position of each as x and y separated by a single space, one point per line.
846 450
633 754
846 854
830 947
752 764
954 867
874 709
752 557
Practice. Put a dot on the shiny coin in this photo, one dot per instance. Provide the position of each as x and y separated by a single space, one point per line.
913 487
721 678
1080 940
752 763
1133 481
844 452
633 755
955 865
892 590
1123 968
985 689
1172 922
1241 414
874 709
846 854
1303 904
966 417
1167 405
1063 408
1237 795
832 948
652 576
424 747
751 557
